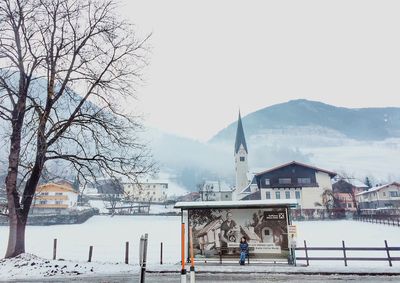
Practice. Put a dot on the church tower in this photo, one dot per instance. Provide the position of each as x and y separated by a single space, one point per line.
241 153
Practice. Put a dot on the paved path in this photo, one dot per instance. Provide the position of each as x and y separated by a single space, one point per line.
234 278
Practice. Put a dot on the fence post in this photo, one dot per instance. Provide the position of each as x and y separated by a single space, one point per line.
127 252
54 249
388 253
144 241
344 254
90 253
305 250
161 253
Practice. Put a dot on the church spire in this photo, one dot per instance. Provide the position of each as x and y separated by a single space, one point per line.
240 138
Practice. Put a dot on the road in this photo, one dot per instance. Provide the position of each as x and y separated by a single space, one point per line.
234 278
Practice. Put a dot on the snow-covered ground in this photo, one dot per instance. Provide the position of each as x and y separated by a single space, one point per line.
108 236
354 233
31 266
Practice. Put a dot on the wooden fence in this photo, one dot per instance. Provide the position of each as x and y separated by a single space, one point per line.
345 258
378 220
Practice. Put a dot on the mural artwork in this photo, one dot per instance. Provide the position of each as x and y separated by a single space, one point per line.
220 230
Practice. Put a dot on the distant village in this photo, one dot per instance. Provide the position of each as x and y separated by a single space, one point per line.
319 193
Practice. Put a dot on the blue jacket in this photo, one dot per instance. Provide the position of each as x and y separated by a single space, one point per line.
244 247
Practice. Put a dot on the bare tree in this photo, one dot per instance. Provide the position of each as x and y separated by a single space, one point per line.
328 201
66 69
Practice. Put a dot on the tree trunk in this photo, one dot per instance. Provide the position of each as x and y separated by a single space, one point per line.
16 239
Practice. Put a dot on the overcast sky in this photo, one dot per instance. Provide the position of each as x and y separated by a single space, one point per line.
211 57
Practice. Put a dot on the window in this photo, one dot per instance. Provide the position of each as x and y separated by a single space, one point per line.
45 193
241 158
393 194
268 195
42 202
384 194
266 232
267 182
349 205
59 202
285 181
277 195
297 193
287 194
58 194
304 180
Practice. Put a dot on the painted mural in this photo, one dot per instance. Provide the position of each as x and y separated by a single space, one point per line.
219 231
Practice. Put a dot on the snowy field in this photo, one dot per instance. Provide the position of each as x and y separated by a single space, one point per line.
354 233
109 234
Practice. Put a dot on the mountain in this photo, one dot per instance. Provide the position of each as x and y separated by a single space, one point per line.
308 116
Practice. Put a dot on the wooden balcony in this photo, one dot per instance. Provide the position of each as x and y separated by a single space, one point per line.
50 205
51 197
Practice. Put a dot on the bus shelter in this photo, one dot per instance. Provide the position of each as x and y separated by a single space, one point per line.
217 226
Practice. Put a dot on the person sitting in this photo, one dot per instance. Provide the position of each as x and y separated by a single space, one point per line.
244 250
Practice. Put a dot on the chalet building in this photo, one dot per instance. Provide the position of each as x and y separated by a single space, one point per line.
54 198
293 180
345 191
215 191
379 197
147 191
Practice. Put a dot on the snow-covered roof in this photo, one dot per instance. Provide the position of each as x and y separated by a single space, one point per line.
237 204
331 174
374 189
352 181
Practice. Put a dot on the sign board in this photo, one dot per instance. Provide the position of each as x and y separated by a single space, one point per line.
220 230
268 248
274 215
292 231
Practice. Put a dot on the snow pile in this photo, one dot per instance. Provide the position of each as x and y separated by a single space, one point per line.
29 265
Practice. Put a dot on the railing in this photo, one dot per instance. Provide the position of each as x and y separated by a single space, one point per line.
378 220
345 258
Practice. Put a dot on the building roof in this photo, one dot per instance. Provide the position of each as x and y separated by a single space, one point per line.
374 189
253 196
330 173
352 181
237 204
55 188
240 138
215 186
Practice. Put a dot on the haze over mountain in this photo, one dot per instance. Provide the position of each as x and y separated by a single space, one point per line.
359 124
359 142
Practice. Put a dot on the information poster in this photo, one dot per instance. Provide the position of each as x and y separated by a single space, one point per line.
220 230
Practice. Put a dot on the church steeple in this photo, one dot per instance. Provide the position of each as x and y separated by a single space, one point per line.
241 154
240 138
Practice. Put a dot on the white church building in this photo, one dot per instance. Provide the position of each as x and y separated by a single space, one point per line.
294 180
